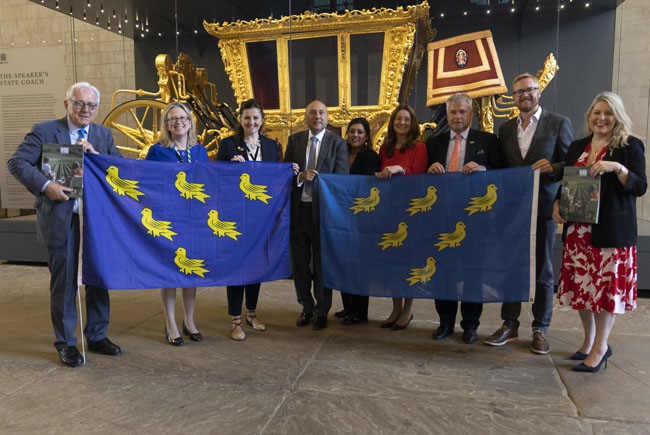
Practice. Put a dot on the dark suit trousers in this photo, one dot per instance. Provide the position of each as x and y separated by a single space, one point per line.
236 297
470 312
305 246
355 305
543 305
63 264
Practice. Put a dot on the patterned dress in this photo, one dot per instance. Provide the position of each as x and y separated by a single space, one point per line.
596 279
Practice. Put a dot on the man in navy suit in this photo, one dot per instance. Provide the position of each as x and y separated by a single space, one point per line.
57 224
315 151
539 139
465 150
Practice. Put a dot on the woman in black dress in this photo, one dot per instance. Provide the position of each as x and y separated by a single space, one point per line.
363 161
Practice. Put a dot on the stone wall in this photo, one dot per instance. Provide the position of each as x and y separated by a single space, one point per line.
631 79
92 54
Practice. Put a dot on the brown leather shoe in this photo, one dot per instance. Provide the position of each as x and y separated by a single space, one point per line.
502 336
540 345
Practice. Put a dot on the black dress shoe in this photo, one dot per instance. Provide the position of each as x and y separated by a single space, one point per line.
578 356
398 327
194 337
469 336
304 319
105 346
70 356
442 332
582 367
178 341
353 320
319 323
340 314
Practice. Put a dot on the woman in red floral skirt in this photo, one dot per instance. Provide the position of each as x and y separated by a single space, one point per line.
599 270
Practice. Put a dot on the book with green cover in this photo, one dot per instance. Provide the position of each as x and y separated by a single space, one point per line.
580 196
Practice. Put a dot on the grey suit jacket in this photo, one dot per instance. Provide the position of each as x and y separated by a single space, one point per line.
332 159
551 141
53 217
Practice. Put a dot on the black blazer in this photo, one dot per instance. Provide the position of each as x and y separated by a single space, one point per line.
616 225
482 147
550 141
367 162
234 146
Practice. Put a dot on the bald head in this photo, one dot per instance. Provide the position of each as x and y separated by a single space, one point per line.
316 116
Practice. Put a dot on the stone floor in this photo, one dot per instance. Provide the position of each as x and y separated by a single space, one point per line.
350 380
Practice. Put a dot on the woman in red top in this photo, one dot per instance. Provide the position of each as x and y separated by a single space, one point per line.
402 154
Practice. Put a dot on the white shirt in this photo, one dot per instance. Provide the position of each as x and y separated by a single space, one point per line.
317 143
525 136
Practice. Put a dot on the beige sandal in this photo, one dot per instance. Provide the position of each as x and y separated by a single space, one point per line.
252 320
236 331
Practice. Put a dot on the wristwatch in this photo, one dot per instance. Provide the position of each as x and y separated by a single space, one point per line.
622 170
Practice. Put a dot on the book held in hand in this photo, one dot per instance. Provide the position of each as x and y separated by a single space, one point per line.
63 163
580 196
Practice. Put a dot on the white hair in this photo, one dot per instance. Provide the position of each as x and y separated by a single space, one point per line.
81 85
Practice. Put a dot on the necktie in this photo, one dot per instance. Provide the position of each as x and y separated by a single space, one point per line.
82 135
455 155
311 164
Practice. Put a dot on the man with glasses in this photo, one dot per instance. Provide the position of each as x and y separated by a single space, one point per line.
58 220
539 139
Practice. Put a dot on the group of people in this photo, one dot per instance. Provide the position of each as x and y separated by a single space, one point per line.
598 273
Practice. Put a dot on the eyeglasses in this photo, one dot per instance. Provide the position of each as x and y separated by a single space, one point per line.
80 105
520 92
182 119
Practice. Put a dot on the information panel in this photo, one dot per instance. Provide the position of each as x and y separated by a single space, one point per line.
32 89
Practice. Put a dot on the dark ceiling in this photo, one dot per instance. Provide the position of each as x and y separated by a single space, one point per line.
150 19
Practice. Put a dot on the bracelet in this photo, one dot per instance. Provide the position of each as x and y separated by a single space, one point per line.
622 170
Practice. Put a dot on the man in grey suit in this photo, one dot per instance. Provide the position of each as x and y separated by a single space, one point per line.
462 149
539 139
314 151
57 224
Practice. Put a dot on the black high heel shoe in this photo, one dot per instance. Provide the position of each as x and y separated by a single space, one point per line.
582 367
174 341
398 327
578 356
194 337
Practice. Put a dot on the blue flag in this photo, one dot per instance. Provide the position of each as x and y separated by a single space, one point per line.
454 237
155 224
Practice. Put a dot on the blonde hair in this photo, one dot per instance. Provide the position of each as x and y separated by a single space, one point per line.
165 138
524 76
623 126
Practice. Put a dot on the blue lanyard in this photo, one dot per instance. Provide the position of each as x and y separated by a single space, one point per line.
180 159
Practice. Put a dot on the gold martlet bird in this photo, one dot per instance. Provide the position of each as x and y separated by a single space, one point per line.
253 191
483 203
423 204
121 185
368 203
190 190
394 239
222 228
189 265
156 228
451 240
422 274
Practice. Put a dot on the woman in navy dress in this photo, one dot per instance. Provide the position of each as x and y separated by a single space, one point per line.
247 145
175 141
